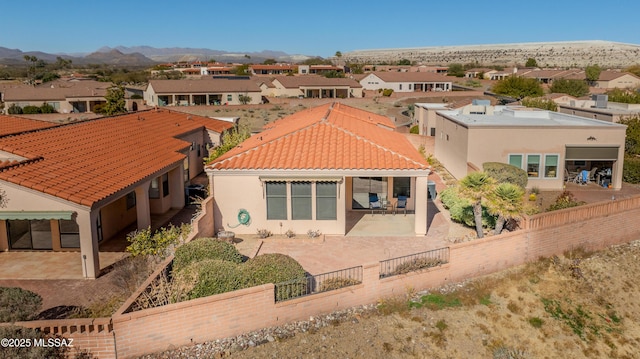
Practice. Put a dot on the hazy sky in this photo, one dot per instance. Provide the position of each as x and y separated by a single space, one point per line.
309 27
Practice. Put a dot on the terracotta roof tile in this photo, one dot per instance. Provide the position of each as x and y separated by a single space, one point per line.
86 162
330 137
10 125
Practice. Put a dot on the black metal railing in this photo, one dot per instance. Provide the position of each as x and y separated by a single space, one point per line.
318 283
414 262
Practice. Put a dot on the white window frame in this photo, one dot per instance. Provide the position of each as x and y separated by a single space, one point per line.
540 167
544 167
522 158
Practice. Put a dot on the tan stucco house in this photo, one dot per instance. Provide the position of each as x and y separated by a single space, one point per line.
311 169
312 86
543 143
407 81
203 91
73 187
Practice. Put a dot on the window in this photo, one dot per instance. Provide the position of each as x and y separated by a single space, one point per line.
165 185
515 160
301 200
154 189
533 165
400 88
229 97
326 201
551 166
401 186
276 200
69 234
410 86
29 234
131 199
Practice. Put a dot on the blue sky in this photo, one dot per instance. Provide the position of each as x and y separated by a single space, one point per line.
309 27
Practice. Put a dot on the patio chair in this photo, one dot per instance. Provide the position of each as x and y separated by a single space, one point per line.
567 176
401 204
374 202
592 174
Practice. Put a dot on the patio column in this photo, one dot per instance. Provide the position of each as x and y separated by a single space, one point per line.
142 205
176 185
421 206
4 239
89 246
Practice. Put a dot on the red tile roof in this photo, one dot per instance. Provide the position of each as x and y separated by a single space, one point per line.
328 137
88 161
10 125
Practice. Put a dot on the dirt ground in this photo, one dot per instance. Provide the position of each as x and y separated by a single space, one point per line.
580 305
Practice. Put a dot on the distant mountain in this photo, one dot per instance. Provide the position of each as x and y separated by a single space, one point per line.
15 56
115 57
173 54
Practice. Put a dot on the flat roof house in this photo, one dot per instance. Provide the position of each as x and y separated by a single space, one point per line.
407 81
310 170
73 187
206 91
544 143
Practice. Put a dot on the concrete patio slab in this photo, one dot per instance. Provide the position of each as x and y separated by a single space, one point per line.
49 265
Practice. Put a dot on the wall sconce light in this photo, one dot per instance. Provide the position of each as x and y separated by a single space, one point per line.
591 138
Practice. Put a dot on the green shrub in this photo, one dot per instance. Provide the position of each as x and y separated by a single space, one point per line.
387 92
32 352
17 304
461 210
46 108
506 173
205 248
30 110
273 268
416 264
566 199
414 129
14 110
209 277
631 170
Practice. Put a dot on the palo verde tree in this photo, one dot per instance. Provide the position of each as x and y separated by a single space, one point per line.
475 188
115 102
518 87
531 62
592 73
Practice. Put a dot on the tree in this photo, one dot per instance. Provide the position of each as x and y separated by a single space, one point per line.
531 62
541 103
404 62
269 62
242 70
333 74
592 73
505 202
338 54
573 87
115 102
624 96
230 139
518 87
456 70
635 69
632 140
475 187
244 99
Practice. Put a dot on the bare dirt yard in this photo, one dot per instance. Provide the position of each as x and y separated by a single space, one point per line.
577 305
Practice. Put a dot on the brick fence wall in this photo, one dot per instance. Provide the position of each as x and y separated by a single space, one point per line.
249 309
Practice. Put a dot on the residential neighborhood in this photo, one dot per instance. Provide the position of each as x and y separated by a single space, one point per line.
304 199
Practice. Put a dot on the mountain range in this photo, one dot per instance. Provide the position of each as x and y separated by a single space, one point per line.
146 56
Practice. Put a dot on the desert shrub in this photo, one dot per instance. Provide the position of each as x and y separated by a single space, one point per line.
30 110
414 129
416 264
209 277
158 244
461 210
273 268
205 248
387 92
290 233
32 352
506 173
566 199
631 170
264 233
314 233
17 304
337 283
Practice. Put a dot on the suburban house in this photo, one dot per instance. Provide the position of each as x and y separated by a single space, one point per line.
407 81
64 96
599 108
205 91
617 79
312 86
275 69
313 169
318 69
477 71
74 187
552 147
548 76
